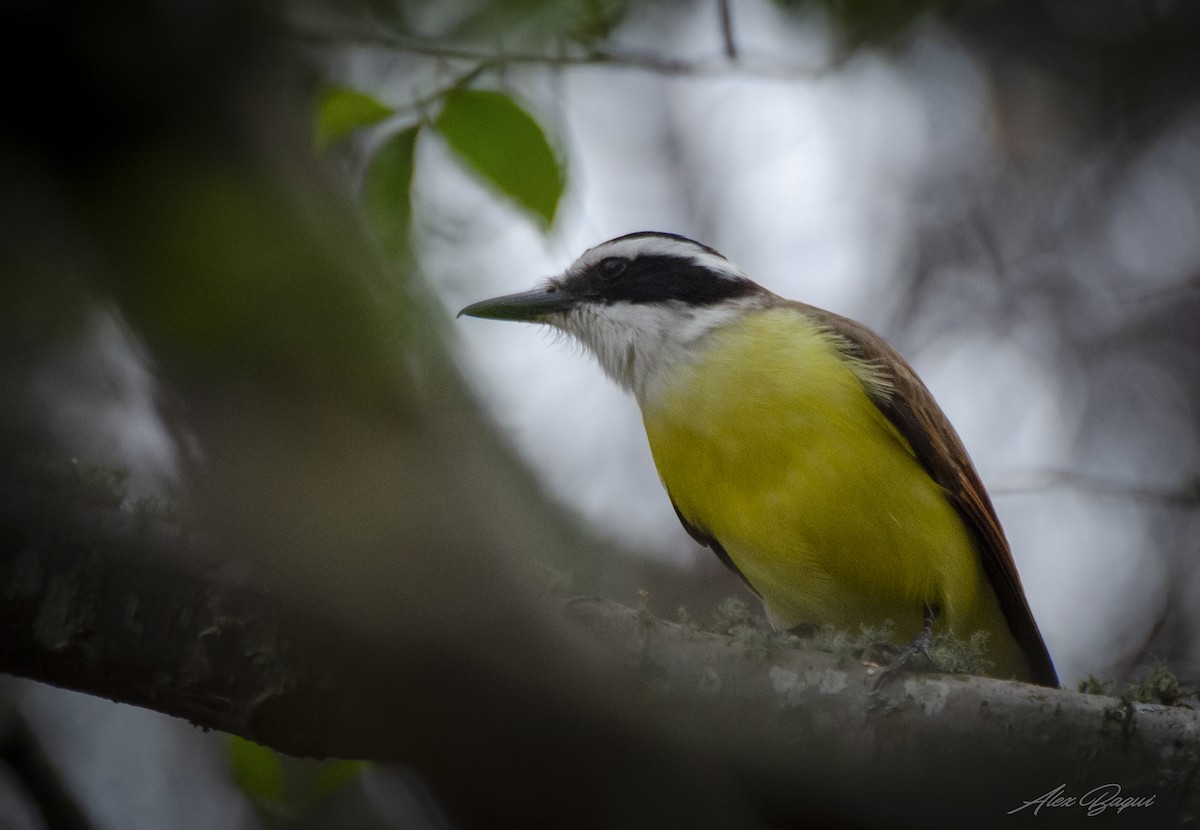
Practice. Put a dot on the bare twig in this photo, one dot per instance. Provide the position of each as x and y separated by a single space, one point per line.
1033 481
762 66
727 29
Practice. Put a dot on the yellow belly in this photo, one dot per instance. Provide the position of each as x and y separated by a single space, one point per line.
769 442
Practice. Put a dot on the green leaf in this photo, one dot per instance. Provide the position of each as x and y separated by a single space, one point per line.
342 111
286 787
506 146
386 192
331 776
257 770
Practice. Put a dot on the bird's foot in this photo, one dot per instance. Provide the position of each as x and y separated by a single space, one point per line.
903 655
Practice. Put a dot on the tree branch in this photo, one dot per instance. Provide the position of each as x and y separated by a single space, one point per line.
1039 480
727 39
119 605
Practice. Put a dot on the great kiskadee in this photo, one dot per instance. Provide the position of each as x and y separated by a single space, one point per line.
797 445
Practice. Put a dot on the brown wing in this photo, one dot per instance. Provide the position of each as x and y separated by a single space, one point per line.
709 541
913 411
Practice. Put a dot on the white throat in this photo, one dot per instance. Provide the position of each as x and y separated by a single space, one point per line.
637 343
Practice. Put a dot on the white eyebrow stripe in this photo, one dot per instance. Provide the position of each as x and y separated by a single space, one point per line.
658 246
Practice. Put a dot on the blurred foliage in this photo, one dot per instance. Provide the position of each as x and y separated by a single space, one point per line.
541 21
504 145
387 192
873 22
497 139
342 111
253 277
256 770
283 787
47 299
595 19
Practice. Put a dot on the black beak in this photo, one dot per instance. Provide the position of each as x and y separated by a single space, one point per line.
527 307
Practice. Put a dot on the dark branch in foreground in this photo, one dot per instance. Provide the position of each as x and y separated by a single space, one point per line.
117 605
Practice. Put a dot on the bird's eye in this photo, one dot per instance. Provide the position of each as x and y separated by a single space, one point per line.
612 267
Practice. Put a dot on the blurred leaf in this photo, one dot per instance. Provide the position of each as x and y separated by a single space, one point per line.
504 144
596 19
872 21
538 24
257 771
342 111
386 192
286 786
333 775
221 271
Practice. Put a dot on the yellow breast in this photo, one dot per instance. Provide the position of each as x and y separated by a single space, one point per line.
769 442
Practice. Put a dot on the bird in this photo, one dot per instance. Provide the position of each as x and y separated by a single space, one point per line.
797 445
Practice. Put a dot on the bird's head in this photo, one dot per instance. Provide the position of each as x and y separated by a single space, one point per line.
638 302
